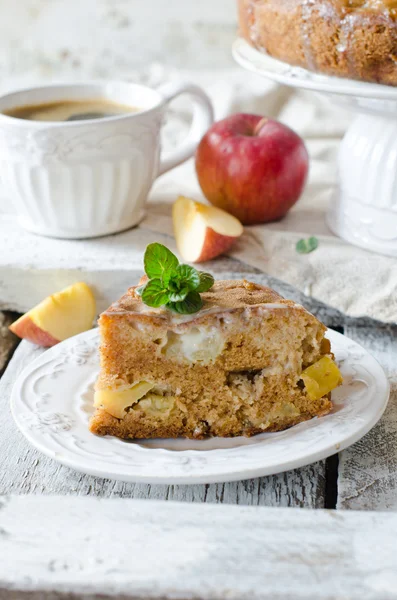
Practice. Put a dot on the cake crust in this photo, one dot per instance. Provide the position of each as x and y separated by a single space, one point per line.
224 295
346 38
234 368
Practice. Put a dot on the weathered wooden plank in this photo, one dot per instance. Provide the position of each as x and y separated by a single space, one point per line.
303 487
368 470
23 470
8 341
168 550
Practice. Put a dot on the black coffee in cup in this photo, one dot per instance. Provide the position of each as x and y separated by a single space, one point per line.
70 110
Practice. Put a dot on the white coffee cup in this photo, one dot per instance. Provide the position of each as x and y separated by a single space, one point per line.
81 179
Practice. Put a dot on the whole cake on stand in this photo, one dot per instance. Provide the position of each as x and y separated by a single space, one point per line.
348 49
346 38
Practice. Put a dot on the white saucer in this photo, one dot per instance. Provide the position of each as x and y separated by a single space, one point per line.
52 403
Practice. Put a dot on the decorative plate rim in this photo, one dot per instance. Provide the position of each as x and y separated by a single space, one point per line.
54 418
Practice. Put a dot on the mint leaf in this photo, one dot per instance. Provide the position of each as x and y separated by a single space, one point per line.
188 276
206 282
160 263
178 295
170 284
307 246
191 304
154 294
139 289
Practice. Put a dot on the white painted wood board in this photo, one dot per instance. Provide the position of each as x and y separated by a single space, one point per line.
138 549
32 267
368 470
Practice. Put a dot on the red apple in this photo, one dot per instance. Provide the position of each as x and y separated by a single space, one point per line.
203 232
253 167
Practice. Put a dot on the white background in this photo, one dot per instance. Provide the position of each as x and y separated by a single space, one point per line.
43 40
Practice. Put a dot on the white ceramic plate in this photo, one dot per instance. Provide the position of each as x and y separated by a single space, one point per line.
276 70
52 403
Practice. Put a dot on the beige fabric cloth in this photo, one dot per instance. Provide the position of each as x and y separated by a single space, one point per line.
357 282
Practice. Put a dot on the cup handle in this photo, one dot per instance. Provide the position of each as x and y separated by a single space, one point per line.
203 117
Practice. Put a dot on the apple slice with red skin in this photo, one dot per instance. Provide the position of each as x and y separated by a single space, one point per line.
253 167
203 232
58 317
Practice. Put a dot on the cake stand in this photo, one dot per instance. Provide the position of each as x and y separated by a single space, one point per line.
363 210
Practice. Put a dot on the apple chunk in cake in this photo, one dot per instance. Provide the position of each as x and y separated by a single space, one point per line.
247 362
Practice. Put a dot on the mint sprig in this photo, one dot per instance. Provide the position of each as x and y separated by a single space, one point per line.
307 246
174 285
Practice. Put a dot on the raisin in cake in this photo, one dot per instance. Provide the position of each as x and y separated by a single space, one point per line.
247 362
347 38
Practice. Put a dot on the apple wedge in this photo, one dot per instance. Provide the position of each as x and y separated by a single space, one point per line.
203 232
116 402
58 317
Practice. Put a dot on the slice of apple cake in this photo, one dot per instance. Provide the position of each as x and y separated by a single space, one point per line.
246 362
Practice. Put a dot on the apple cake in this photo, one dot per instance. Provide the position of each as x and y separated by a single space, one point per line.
346 38
247 362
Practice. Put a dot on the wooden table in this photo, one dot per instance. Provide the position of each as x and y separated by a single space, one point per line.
363 477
